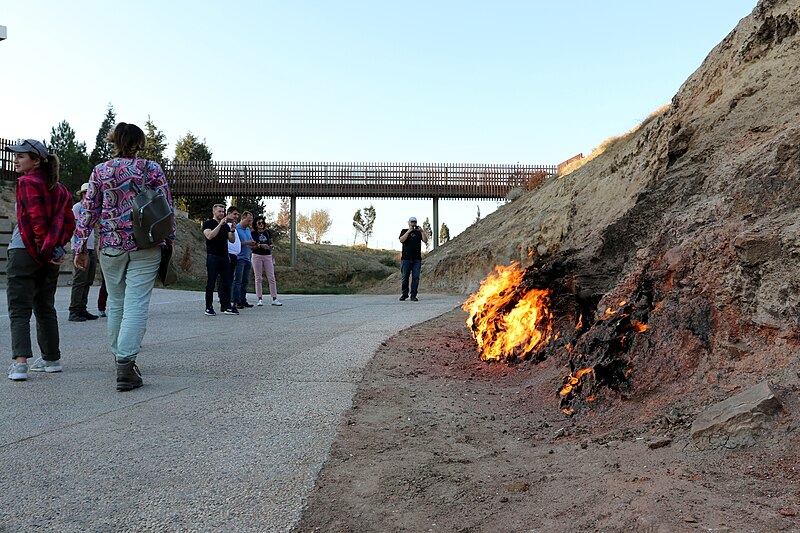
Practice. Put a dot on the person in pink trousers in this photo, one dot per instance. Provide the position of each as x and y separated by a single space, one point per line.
263 262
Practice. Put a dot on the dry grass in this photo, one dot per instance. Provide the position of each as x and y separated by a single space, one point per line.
612 141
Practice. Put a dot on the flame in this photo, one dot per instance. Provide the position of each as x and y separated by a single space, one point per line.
639 327
572 381
504 323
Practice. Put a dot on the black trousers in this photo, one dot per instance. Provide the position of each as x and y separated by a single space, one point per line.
218 266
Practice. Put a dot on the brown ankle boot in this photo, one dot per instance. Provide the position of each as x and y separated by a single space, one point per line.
128 376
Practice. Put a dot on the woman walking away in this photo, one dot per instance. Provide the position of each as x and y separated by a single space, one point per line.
44 225
129 272
263 262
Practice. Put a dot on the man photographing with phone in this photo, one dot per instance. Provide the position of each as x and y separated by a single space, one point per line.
411 259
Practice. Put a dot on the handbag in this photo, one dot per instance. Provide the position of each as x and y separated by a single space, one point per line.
166 270
151 214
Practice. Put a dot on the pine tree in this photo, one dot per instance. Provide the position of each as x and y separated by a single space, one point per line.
103 150
189 148
75 168
156 143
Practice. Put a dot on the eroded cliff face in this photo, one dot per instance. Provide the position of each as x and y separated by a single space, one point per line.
700 205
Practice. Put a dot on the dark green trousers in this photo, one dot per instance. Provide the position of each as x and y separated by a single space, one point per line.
32 289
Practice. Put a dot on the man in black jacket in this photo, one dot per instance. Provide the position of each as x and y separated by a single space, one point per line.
411 260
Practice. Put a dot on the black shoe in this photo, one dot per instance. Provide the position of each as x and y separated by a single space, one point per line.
239 306
245 304
403 298
231 311
73 317
414 299
88 316
128 376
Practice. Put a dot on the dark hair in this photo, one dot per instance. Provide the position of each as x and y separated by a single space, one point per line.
50 166
233 208
127 139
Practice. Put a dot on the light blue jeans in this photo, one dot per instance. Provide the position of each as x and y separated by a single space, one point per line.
129 280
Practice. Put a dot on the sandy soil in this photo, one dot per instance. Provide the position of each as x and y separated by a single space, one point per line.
439 441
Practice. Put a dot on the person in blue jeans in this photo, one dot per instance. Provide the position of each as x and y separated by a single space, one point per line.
411 259
129 271
241 277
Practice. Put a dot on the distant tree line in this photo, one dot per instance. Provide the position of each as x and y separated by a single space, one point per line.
77 163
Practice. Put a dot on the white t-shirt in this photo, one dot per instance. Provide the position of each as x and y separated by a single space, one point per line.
236 246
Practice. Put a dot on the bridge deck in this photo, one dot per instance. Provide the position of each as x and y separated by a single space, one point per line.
358 180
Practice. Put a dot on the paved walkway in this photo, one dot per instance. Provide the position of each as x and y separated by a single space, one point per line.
229 433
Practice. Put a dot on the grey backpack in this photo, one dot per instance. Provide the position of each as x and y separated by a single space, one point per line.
151 214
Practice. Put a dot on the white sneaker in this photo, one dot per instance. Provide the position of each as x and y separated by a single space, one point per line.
40 365
260 303
276 302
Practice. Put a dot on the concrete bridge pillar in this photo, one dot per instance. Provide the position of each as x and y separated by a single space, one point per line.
293 228
435 236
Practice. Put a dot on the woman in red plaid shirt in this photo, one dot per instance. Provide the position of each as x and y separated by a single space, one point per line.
44 225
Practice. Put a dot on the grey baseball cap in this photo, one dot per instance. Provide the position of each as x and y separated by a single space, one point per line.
412 219
31 146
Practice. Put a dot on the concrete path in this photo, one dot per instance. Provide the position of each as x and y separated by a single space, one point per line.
229 433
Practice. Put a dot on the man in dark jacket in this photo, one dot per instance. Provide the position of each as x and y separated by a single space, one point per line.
411 260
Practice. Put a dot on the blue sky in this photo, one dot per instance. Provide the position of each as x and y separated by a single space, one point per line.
433 81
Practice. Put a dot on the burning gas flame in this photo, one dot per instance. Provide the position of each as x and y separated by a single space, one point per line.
506 322
572 381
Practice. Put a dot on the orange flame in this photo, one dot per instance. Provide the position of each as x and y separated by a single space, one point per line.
639 327
500 332
572 381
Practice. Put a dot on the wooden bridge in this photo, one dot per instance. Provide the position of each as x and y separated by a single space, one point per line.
341 180
352 180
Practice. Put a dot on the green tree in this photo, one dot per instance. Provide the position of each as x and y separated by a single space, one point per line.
75 167
190 148
156 143
103 150
444 234
426 227
249 203
314 226
364 222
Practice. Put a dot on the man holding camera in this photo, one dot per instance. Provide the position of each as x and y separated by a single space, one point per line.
218 233
411 260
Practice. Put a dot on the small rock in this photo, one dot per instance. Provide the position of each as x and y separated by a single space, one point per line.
787 512
690 519
504 499
659 443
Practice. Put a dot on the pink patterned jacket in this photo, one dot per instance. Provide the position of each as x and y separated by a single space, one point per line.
110 197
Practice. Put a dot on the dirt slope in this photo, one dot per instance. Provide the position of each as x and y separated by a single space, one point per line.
699 210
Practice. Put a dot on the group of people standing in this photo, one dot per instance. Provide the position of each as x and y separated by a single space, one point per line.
233 249
46 222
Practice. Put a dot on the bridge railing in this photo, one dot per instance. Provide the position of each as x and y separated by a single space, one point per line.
389 180
7 172
335 179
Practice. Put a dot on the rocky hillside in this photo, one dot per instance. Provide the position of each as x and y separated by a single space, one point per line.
700 205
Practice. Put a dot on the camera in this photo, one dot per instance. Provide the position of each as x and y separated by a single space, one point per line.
229 220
